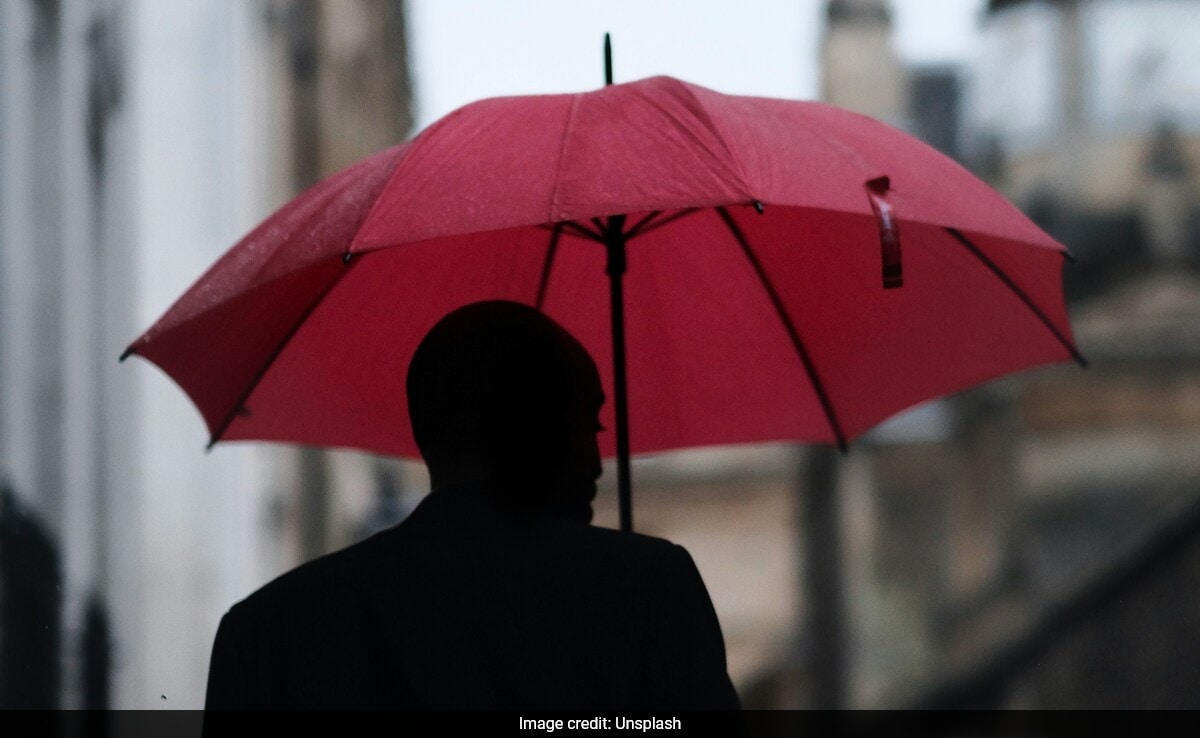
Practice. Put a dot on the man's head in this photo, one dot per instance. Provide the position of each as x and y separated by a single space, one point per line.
500 394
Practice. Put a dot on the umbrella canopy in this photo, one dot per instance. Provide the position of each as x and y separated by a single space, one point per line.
793 271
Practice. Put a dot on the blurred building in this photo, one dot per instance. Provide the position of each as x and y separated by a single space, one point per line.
735 510
128 160
859 68
1085 114
338 89
138 141
1033 542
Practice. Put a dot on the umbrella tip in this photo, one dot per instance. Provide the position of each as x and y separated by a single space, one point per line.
758 206
125 354
608 70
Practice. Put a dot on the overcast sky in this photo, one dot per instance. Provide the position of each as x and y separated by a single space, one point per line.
463 50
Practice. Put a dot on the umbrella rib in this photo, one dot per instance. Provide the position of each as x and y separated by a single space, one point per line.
1016 290
638 226
262 372
806 359
551 251
639 230
583 231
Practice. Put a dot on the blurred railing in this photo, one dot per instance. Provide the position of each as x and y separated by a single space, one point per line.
1127 633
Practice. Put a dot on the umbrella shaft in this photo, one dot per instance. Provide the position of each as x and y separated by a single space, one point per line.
614 239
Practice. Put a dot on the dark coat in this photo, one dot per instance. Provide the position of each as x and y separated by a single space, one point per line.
471 604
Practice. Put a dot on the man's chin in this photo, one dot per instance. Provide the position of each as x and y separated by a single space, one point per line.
581 512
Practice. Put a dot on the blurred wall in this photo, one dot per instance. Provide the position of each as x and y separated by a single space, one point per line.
338 89
1083 111
130 157
138 141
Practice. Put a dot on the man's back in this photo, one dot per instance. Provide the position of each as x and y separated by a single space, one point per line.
495 592
471 603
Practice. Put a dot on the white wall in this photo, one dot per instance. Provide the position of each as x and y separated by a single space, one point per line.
111 457
1014 88
1144 62
197 173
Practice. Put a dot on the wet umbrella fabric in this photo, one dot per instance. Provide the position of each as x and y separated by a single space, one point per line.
878 273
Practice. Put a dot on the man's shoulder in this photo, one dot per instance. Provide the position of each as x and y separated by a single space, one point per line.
331 574
475 521
397 558
635 545
610 555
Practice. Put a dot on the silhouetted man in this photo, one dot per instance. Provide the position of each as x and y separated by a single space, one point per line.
495 592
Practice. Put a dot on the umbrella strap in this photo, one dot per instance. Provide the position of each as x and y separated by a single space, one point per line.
889 232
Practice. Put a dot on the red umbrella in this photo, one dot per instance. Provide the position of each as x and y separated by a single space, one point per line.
791 271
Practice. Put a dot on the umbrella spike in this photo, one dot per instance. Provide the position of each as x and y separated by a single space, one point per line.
125 354
758 207
608 71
